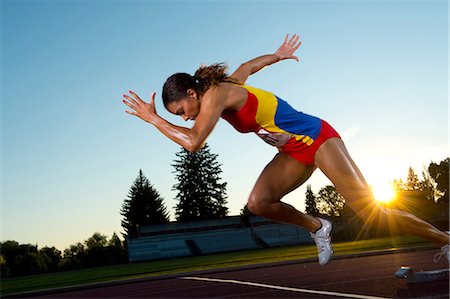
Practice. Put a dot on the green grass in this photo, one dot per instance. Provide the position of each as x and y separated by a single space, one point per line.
189 264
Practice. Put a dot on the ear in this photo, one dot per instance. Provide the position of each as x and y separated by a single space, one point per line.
192 93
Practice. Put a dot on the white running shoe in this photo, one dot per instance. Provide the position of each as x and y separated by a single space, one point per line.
323 241
445 251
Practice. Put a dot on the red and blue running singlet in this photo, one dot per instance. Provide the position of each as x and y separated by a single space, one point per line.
277 123
273 119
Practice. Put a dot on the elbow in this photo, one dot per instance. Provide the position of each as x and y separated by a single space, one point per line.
193 149
194 146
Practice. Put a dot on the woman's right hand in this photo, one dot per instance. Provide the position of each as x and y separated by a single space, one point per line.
287 49
143 110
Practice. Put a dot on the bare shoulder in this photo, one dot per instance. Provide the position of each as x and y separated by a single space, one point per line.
232 96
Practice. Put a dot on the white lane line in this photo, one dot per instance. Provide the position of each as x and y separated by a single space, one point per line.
269 286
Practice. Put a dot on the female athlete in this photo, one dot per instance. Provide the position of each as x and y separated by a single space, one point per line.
304 143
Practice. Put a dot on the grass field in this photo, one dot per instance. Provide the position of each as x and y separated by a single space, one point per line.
189 264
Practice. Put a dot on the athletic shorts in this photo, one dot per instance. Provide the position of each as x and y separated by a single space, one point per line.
305 154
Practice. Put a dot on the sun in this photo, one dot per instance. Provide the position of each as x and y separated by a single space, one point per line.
383 192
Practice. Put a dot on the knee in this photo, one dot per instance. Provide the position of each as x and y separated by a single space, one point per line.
360 200
258 205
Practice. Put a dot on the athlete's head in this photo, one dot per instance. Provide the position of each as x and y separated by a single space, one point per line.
182 93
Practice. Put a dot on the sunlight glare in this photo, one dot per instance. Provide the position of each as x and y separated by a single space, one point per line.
383 192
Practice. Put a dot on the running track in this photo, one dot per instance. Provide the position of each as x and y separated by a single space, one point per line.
352 277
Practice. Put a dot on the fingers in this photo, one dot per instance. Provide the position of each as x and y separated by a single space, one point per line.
293 41
132 113
296 39
297 46
292 38
135 96
132 103
131 100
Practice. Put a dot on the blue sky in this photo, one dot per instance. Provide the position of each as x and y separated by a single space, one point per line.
376 70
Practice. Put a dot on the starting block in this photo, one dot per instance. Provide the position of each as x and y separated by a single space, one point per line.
423 276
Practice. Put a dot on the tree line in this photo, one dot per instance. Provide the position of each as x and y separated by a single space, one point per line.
27 259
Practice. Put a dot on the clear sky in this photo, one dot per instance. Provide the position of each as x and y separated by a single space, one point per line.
376 70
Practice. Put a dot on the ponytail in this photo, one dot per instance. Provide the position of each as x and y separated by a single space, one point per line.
212 75
205 77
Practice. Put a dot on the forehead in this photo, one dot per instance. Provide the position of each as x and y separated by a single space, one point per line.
175 106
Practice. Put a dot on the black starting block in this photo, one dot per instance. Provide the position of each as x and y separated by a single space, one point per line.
423 276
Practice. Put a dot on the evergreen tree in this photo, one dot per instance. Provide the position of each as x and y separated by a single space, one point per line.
144 206
201 195
115 241
117 250
245 211
311 202
412 181
245 216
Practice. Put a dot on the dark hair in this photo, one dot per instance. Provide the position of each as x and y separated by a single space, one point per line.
176 86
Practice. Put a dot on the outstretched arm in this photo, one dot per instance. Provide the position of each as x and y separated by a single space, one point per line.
191 139
285 51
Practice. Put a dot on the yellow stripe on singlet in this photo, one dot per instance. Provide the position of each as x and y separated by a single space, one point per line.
265 113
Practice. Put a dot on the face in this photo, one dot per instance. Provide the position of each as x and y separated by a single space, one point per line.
188 108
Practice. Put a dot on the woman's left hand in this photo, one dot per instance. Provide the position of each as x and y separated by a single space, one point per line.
288 48
143 110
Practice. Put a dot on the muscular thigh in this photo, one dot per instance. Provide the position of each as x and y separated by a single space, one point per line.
282 175
335 162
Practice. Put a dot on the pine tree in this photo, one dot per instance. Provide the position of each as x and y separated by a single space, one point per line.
412 181
144 206
201 195
311 202
245 211
117 250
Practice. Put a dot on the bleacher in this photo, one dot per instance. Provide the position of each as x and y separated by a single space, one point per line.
205 237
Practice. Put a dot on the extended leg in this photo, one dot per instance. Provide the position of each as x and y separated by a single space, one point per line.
335 162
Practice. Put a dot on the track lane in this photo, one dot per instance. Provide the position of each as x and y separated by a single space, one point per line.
366 276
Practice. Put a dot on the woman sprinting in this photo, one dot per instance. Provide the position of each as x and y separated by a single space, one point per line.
304 143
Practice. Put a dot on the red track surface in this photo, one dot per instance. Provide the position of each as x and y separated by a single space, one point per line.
368 275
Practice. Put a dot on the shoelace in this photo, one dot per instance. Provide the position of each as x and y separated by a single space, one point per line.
444 252
322 247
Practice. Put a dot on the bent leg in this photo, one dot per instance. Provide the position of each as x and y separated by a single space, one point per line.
335 162
282 175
